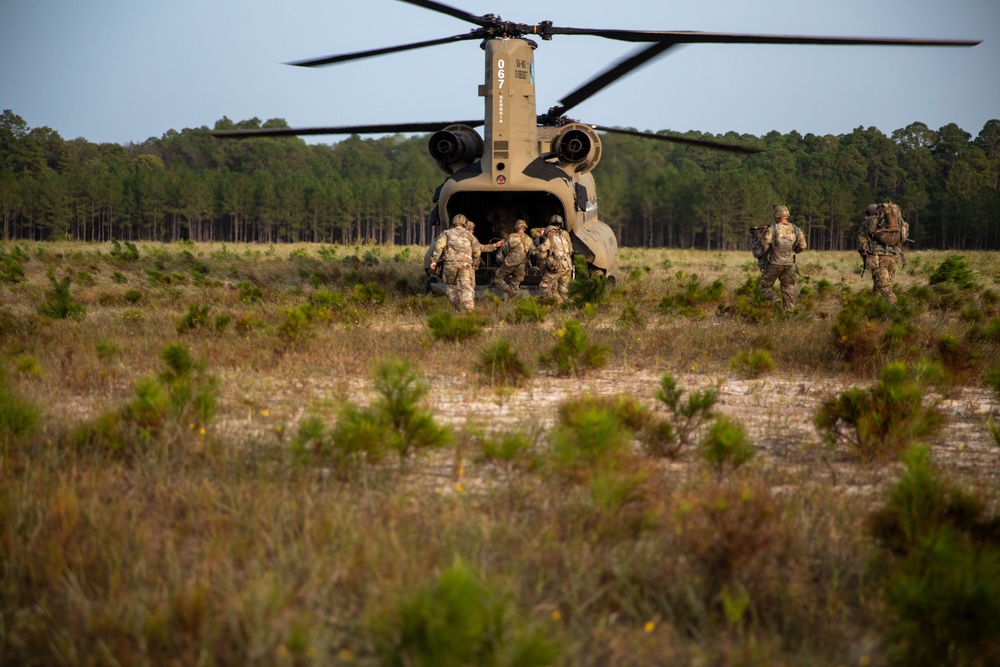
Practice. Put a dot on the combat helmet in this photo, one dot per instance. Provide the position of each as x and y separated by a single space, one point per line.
520 224
779 211
556 220
871 209
459 220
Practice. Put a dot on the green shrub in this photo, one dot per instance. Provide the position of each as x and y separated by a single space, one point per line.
528 310
499 364
132 296
296 325
572 354
249 293
751 306
18 417
445 325
685 420
689 297
879 423
458 620
954 270
368 295
59 304
939 570
594 430
394 421
11 270
130 254
585 288
752 363
631 317
726 443
195 318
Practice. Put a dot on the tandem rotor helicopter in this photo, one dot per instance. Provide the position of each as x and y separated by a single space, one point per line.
532 165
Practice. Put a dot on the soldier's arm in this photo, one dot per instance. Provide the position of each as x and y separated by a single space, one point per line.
439 245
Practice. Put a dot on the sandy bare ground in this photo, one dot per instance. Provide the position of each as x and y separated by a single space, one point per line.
777 413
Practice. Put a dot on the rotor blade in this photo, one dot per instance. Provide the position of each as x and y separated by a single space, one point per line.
343 129
445 9
704 143
695 37
617 71
329 60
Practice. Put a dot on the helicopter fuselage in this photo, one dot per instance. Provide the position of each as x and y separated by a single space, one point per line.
519 170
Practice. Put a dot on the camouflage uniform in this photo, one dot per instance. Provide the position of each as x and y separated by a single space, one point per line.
555 256
460 252
781 242
881 260
515 250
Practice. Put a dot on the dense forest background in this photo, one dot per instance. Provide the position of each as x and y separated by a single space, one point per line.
189 185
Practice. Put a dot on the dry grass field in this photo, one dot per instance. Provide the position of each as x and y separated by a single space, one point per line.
256 455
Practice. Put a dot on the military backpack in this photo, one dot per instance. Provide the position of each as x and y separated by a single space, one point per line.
888 227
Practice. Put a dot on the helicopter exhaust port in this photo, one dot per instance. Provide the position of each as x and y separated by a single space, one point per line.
579 145
455 147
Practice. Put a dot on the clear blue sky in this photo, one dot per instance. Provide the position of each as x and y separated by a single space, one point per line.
125 70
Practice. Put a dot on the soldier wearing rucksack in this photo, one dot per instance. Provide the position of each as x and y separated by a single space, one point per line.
775 249
880 243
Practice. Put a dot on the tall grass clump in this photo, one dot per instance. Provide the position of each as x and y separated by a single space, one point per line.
573 354
879 423
457 620
939 570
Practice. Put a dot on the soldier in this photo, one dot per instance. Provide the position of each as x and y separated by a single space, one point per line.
880 241
780 243
460 253
555 256
558 222
514 253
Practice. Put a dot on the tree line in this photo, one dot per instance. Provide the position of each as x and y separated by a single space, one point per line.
190 185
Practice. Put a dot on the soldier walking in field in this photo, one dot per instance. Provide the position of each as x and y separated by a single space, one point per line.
458 249
880 243
778 245
555 255
514 260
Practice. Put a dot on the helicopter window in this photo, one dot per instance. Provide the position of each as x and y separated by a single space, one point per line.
581 197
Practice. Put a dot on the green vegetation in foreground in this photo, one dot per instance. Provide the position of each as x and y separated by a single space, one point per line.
243 455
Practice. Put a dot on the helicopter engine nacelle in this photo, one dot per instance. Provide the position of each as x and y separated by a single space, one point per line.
455 147
577 144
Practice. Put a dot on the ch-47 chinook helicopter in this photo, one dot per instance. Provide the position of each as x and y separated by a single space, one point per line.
529 165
